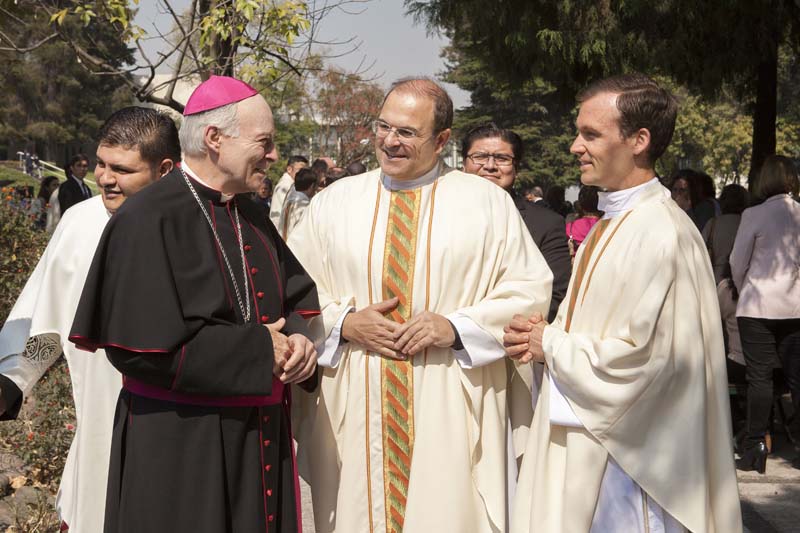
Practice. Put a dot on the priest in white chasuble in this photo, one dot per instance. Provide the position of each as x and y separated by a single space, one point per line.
632 430
419 267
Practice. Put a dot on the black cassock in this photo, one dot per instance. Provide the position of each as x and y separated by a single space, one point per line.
202 441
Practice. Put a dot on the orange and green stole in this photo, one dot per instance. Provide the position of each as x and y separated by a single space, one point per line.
397 377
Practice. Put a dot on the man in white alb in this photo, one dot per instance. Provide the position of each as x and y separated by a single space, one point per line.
418 268
632 430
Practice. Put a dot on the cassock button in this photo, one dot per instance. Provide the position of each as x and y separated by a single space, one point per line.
269 492
271 517
266 443
254 271
266 419
260 295
268 468
247 247
264 319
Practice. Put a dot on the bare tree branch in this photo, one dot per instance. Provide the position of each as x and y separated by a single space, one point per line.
15 48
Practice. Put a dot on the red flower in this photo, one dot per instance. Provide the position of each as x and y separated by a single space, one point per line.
70 427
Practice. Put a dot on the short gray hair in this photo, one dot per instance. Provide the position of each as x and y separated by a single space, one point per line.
193 128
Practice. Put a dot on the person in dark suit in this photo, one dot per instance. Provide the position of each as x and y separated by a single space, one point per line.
74 190
495 153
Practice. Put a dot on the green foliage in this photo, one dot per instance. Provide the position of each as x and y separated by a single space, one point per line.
20 248
51 103
717 49
44 429
249 39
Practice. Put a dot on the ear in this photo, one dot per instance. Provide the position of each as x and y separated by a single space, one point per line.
165 167
212 138
441 139
641 141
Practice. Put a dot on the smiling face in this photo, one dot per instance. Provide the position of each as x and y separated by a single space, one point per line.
408 159
606 159
500 175
245 159
121 173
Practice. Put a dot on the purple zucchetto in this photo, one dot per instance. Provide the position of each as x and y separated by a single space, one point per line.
217 91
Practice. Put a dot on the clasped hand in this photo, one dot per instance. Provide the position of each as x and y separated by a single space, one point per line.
523 338
376 333
295 357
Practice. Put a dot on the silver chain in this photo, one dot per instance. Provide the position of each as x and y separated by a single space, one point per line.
245 311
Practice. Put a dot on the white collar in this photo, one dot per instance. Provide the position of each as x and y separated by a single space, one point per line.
223 197
618 202
405 185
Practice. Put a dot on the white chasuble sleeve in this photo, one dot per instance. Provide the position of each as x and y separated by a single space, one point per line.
606 371
307 245
479 347
522 284
30 340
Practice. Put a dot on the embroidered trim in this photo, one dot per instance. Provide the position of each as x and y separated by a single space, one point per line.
42 350
397 377
602 250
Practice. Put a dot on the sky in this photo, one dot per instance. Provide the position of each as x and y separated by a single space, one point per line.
388 40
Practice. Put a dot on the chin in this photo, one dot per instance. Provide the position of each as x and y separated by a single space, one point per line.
394 168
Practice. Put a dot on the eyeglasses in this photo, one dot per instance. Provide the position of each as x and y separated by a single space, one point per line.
501 160
383 129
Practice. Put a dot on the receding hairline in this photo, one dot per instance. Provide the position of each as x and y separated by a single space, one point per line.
428 89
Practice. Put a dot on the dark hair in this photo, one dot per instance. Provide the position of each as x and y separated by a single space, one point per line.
320 167
44 185
304 179
355 168
490 130
691 178
642 103
734 199
422 86
778 175
705 186
333 174
267 182
587 200
296 159
153 133
72 160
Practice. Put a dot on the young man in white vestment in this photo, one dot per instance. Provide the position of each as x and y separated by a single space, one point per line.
285 186
136 147
632 430
418 268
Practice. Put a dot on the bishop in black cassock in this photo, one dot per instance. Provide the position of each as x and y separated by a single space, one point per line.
202 438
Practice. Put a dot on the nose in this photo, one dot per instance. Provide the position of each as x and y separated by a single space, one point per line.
577 146
272 156
490 164
392 139
103 176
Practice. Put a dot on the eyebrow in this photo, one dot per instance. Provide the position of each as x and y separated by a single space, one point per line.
116 167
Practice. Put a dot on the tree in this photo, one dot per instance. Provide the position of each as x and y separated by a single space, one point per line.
250 39
51 104
709 46
532 108
344 107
